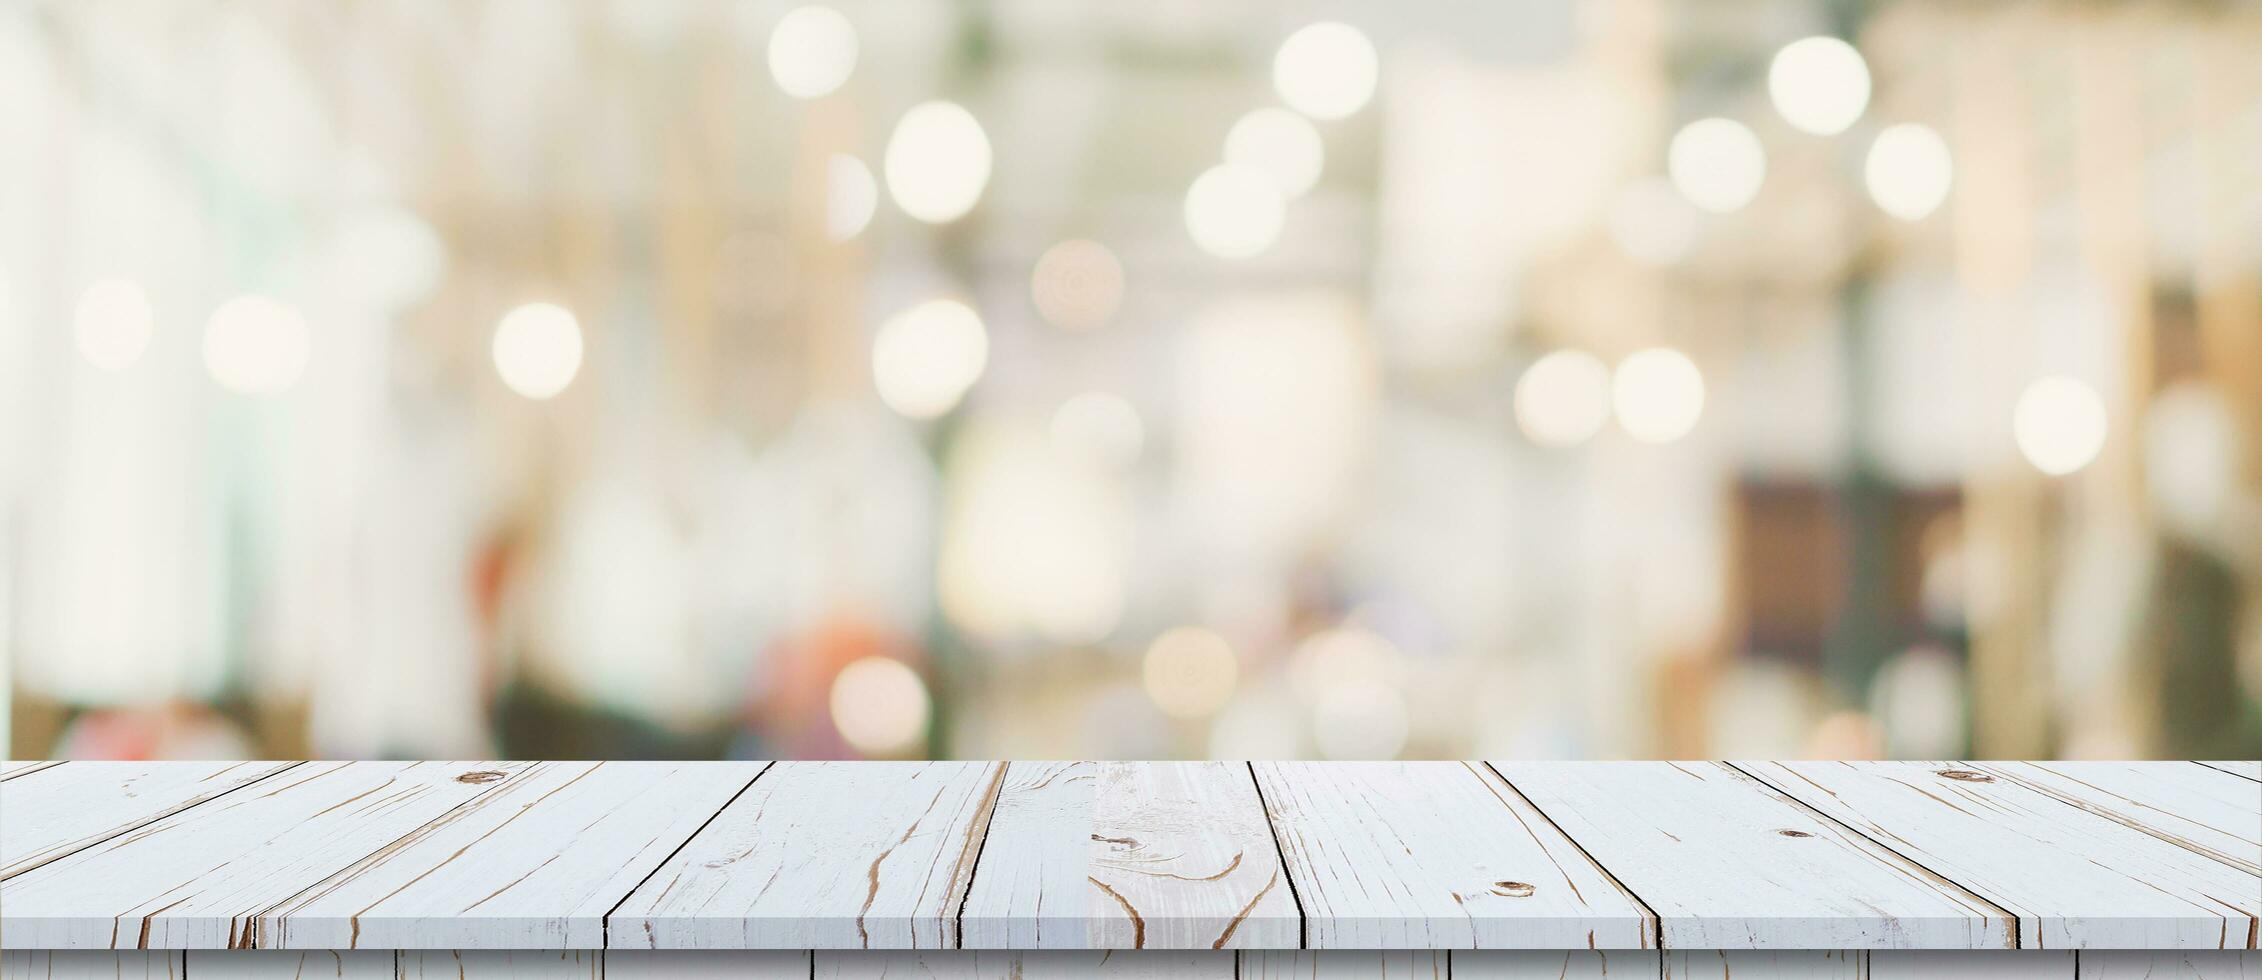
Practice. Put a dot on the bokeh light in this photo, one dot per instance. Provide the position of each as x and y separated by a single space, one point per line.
113 323
537 349
1326 70
2059 424
938 162
925 358
1279 144
1717 164
1190 672
1819 84
256 345
1233 212
1653 224
1563 399
879 705
1077 284
1659 394
851 196
812 51
1909 171
1099 428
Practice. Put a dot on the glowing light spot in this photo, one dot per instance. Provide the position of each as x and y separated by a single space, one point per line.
1819 84
1563 398
1233 212
1326 70
1077 284
1659 394
2059 424
113 322
1279 144
1909 171
537 349
812 51
925 358
1717 164
1099 428
938 162
879 705
256 345
1190 672
851 196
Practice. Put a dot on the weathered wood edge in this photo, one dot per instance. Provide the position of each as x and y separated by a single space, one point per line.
146 821
1653 927
606 922
2246 769
12 769
2017 940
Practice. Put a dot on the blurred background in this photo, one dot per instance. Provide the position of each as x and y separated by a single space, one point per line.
1024 378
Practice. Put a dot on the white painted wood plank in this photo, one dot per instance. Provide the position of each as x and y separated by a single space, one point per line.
501 964
1546 964
2249 769
955 964
1437 855
1765 964
2206 810
706 964
287 964
2076 880
1345 964
2205 964
1117 855
1971 964
12 768
823 855
55 811
534 863
42 964
194 880
1727 863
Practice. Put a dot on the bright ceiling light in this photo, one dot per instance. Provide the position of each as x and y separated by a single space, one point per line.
1234 212
812 51
1717 164
1326 70
925 358
256 345
1659 394
1819 84
938 162
2059 424
1909 171
1563 399
1279 144
537 349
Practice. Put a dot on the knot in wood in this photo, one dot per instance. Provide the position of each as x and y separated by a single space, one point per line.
479 776
1513 889
1965 776
1794 833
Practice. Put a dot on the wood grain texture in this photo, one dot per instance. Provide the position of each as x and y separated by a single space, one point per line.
1144 964
282 964
2195 807
2076 880
52 812
706 964
1545 964
1727 863
501 964
1346 964
194 880
24 767
1975 964
2204 964
44 964
533 864
1437 855
1765 964
821 855
2251 770
1114 855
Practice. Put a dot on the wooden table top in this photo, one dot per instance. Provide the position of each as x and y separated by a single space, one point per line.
1105 855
